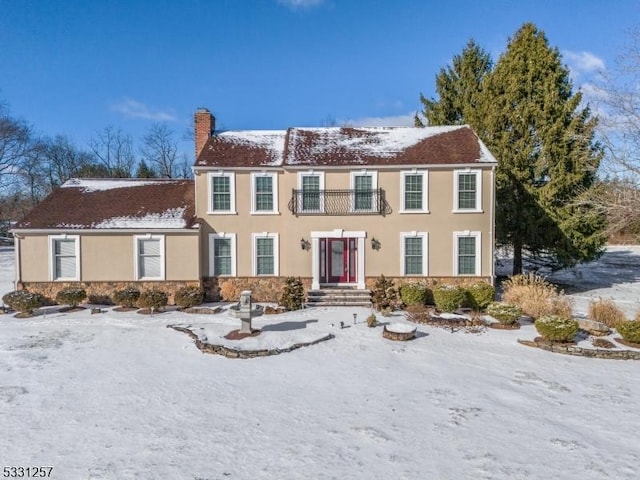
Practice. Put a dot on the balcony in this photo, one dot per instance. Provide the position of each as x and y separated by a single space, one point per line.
339 202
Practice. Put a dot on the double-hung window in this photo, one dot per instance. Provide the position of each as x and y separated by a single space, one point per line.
65 257
149 257
222 254
414 192
414 253
264 187
467 253
363 186
467 191
311 186
222 198
265 254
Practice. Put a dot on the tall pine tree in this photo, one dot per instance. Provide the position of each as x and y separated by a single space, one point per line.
458 87
544 142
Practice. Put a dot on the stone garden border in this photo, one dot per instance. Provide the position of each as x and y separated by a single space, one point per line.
582 352
230 352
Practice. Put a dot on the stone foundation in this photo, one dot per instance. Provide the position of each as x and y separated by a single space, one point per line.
263 289
104 289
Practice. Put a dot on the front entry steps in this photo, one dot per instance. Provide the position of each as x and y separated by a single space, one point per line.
338 296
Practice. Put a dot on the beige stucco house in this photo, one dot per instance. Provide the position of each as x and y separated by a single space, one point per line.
336 207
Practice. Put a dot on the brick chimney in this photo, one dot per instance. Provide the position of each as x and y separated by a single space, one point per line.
204 125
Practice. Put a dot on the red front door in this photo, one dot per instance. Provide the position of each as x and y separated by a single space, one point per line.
341 260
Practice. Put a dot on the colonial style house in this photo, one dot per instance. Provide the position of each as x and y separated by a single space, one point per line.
336 207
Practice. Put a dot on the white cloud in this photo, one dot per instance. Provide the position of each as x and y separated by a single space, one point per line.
583 62
391 121
133 109
295 4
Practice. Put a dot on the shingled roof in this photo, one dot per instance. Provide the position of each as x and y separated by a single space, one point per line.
115 204
345 147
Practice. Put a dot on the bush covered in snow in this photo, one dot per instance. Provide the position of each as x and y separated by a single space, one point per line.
630 330
505 313
23 301
556 328
71 296
127 298
449 297
187 297
153 299
607 312
292 297
414 293
481 294
384 294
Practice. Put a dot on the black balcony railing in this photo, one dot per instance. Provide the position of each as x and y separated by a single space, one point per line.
338 202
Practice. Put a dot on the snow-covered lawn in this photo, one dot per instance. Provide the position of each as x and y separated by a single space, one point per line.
120 396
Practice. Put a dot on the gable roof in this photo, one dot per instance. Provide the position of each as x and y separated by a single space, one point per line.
114 204
344 147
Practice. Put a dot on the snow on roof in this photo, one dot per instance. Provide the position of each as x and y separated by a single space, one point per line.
172 218
89 185
270 140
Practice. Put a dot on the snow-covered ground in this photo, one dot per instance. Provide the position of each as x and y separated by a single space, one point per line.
120 396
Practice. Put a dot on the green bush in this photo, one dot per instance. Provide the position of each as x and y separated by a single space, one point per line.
414 293
127 298
449 297
555 328
481 294
23 301
384 294
186 297
505 313
71 296
153 299
630 330
292 296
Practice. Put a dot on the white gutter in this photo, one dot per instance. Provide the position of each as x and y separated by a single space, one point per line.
104 231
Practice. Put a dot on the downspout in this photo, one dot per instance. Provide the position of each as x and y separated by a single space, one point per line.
492 233
16 245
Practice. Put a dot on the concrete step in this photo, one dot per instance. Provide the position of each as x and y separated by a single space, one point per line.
339 297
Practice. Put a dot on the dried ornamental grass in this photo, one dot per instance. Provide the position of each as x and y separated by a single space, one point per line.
607 312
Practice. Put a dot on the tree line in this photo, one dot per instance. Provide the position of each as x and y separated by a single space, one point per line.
552 207
32 166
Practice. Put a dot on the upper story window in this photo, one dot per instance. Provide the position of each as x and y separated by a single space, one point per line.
149 257
222 195
414 253
311 185
363 185
466 246
414 192
467 191
65 257
264 197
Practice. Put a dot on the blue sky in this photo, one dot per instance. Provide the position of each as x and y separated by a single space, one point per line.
76 66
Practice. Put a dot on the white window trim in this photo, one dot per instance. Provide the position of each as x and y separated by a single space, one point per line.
425 191
254 251
136 256
222 235
374 185
478 265
456 183
274 193
311 173
232 193
425 252
52 257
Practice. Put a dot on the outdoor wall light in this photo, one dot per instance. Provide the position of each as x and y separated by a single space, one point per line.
375 243
304 244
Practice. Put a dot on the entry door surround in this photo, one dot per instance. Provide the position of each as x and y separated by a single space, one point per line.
339 236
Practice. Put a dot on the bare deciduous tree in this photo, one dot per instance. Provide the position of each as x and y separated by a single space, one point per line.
15 142
160 150
113 149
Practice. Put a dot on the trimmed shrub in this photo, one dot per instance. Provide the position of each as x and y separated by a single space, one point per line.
535 296
505 313
481 294
630 330
71 296
153 299
449 297
127 298
414 293
605 311
555 328
372 321
23 301
292 296
187 297
384 294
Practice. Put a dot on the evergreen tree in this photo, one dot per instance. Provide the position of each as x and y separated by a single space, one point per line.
144 171
458 87
544 142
